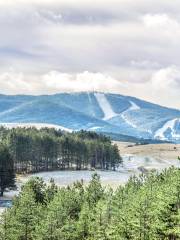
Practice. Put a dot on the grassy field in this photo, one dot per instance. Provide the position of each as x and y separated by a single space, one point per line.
161 151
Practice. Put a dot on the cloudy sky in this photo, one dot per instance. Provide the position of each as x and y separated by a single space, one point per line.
131 47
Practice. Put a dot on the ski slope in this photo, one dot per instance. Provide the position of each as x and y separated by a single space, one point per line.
124 116
105 106
109 113
170 127
133 106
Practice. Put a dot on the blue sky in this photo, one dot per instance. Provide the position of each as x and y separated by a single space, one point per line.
122 46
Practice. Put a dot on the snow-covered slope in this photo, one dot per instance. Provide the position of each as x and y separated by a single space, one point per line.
35 125
125 117
101 112
105 106
169 131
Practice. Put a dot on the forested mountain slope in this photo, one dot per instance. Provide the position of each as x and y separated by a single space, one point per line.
102 112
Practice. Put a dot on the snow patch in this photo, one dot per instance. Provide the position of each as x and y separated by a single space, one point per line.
105 106
94 128
36 125
171 127
128 121
11 110
133 107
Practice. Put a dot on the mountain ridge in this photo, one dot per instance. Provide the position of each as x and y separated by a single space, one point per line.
86 92
97 111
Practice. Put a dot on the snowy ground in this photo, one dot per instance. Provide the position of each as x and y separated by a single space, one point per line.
132 165
136 159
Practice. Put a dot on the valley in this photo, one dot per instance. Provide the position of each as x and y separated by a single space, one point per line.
137 159
65 137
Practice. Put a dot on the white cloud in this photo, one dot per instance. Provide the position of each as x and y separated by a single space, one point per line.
122 46
55 82
162 87
160 21
166 79
11 83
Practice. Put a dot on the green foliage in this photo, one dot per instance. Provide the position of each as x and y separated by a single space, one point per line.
146 208
38 188
7 174
46 149
94 190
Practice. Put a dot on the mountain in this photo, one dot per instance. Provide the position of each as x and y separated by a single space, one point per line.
113 114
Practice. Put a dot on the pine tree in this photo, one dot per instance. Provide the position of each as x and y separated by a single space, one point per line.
7 174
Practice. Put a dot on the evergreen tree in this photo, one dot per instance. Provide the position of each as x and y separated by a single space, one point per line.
35 150
146 208
7 174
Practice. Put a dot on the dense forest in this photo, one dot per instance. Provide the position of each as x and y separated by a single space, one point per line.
146 208
7 173
47 149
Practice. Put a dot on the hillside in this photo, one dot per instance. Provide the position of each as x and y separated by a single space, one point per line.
101 112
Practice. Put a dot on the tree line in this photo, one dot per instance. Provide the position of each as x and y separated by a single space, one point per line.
146 208
30 150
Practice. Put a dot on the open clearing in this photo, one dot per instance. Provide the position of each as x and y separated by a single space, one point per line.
158 151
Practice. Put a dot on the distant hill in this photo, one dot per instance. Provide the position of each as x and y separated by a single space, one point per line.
113 114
